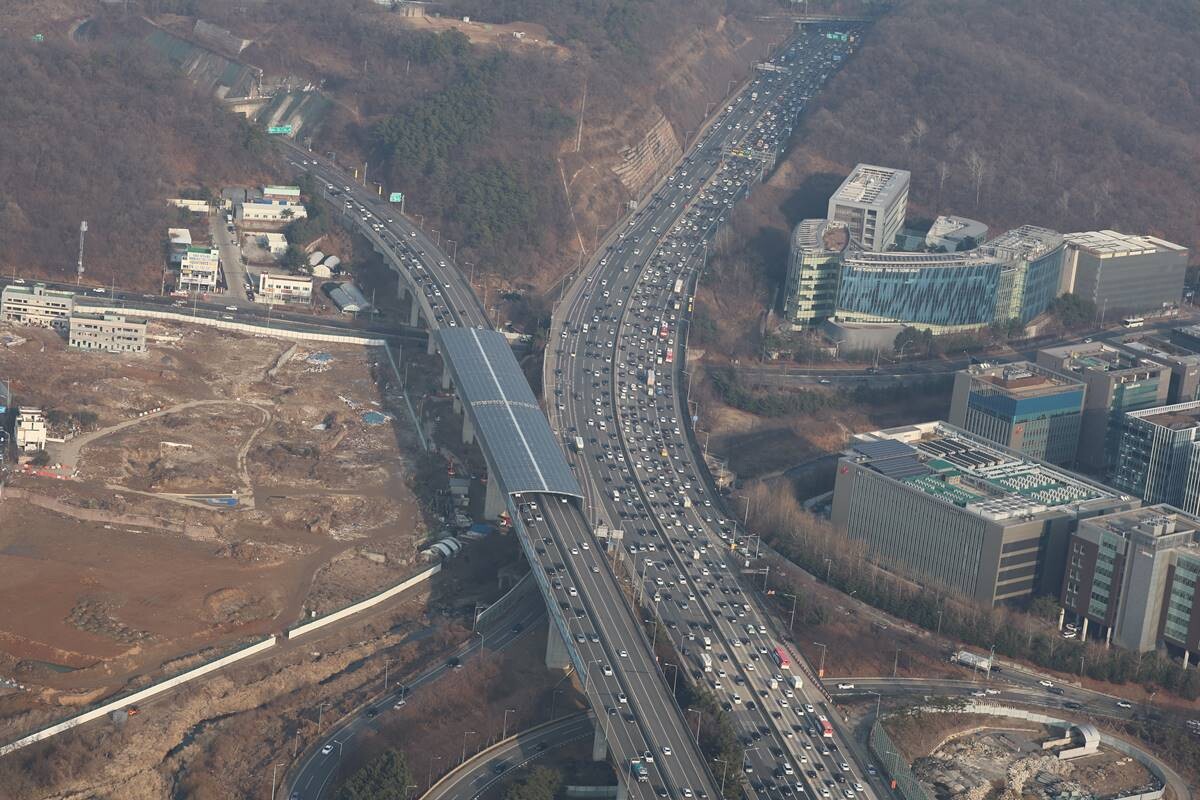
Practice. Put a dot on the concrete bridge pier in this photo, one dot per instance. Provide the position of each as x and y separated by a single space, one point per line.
599 741
468 430
557 656
457 405
493 501
414 311
430 344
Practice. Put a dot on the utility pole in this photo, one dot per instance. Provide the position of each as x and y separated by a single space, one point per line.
582 109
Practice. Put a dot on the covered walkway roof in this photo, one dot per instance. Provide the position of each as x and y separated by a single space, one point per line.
513 431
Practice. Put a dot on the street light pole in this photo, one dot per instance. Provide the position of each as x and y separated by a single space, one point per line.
675 678
429 774
273 769
821 667
792 617
697 713
464 747
504 729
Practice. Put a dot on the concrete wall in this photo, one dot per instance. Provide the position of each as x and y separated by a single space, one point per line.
362 605
244 327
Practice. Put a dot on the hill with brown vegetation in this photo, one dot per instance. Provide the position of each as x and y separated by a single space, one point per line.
1074 115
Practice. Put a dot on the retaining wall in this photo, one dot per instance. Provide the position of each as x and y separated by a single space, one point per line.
230 325
362 605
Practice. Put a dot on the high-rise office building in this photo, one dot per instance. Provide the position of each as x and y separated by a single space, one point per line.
1124 274
1158 456
1022 406
957 511
1035 256
814 263
1117 382
1135 574
871 202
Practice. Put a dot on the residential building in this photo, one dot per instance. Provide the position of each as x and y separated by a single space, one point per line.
268 210
291 193
1135 574
31 430
274 289
179 239
112 333
814 262
1124 274
200 269
36 305
1158 456
1021 406
1117 382
962 513
952 233
871 202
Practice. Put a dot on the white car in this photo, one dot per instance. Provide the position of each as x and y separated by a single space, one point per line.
1046 683
327 749
666 751
845 685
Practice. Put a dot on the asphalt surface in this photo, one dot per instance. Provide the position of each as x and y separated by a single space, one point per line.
317 769
626 315
480 773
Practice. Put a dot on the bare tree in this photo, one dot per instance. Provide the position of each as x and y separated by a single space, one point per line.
1064 206
943 172
1055 168
919 129
953 142
977 167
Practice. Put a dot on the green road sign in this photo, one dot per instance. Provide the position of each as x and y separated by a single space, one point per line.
396 197
277 129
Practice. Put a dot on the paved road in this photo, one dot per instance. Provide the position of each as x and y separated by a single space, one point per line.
613 371
480 773
231 262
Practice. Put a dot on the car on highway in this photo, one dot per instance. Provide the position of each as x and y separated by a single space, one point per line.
1124 704
1046 683
327 749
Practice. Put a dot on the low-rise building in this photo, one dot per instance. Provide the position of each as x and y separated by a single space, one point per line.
274 289
31 430
112 333
1022 406
36 305
275 243
200 269
272 211
1135 573
962 513
195 206
179 240
348 298
952 233
282 193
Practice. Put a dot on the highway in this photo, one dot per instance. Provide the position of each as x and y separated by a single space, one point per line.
612 370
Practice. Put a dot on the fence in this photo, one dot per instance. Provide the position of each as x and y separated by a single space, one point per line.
139 696
889 756
362 605
244 327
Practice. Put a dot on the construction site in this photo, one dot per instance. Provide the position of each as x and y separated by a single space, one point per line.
216 488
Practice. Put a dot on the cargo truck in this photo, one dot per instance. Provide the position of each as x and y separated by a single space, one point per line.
797 683
706 659
972 661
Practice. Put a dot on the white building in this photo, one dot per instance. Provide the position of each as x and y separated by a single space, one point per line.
872 202
180 240
36 305
267 210
195 206
31 430
199 269
282 193
950 232
112 333
274 289
276 243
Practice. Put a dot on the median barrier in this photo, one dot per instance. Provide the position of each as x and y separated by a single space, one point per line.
139 696
362 605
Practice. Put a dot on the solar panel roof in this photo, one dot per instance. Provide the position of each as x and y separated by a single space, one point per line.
884 448
510 424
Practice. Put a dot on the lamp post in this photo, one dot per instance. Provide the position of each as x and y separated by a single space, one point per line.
429 774
792 616
697 713
821 667
675 677
320 712
878 700
504 728
724 769
895 663
464 747
553 698
828 568
386 663
273 769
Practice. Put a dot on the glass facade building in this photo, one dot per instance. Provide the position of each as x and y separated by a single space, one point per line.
814 265
1158 456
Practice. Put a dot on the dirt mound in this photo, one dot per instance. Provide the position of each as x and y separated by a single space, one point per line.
230 606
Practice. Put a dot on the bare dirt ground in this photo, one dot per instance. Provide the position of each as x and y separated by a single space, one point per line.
514 35
128 564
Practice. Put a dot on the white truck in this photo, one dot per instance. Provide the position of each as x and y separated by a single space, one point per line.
706 660
578 444
972 661
797 683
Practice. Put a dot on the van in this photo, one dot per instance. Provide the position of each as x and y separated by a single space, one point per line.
616 495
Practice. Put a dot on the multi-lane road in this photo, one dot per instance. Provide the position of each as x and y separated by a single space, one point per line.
612 375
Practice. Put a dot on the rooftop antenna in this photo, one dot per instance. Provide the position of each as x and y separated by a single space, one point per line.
79 269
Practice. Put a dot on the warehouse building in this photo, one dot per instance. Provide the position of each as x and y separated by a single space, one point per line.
112 333
273 289
1124 274
1117 382
1021 406
1134 573
814 262
272 211
348 298
871 203
962 513
37 306
291 193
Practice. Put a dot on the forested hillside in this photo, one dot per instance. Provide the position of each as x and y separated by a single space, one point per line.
1076 114
103 131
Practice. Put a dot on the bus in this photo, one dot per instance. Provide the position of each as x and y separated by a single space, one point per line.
826 727
781 658
679 286
1133 322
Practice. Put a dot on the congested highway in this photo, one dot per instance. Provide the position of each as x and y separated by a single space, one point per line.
613 372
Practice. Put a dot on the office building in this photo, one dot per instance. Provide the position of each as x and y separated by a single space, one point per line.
112 333
871 202
36 305
1023 407
955 233
1171 352
274 289
31 430
1135 573
200 269
814 262
1158 456
1124 274
1034 260
959 512
179 240
1117 382
271 211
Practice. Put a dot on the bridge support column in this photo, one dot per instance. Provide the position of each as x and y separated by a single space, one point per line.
468 431
599 743
430 344
414 310
446 379
1083 630
457 405
493 501
557 656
